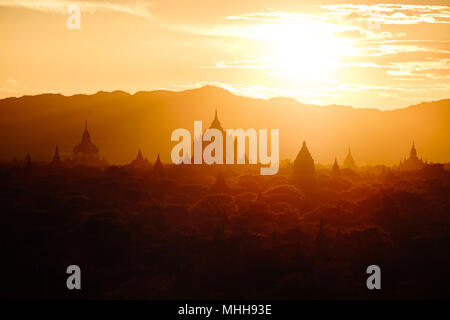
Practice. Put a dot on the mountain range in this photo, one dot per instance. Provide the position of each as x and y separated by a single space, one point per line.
120 123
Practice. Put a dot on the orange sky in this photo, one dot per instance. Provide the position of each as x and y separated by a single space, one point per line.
384 56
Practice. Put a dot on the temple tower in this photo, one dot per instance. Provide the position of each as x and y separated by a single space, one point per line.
349 162
85 152
335 169
157 167
140 162
56 159
304 170
413 162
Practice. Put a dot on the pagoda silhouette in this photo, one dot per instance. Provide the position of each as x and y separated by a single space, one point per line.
215 124
349 162
140 162
413 162
56 158
335 169
158 167
86 153
304 169
220 185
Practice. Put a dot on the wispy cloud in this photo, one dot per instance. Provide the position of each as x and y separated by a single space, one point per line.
436 69
136 8
391 13
238 64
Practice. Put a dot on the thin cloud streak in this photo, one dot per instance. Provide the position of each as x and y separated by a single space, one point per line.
139 8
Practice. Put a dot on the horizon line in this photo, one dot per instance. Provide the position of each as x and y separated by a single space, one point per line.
215 87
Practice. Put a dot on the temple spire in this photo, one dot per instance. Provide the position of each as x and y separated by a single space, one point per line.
304 169
335 169
215 124
85 152
140 161
413 162
56 158
413 151
157 167
349 162
140 155
220 185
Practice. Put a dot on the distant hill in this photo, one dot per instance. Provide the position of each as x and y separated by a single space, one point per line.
121 123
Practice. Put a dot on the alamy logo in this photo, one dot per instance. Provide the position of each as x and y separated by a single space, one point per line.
234 139
374 281
374 20
74 280
74 20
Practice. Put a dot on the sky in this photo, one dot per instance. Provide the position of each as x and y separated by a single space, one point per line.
383 55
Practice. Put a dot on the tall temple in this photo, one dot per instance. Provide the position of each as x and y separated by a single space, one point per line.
304 170
335 169
86 153
215 124
349 162
220 185
56 158
140 162
157 167
413 162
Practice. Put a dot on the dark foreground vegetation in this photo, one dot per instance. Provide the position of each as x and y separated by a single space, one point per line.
190 232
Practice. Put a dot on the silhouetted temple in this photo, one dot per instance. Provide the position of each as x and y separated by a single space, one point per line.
220 185
215 124
335 169
56 159
304 170
349 162
413 162
140 162
157 168
86 153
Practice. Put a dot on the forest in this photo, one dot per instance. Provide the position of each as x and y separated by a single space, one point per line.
216 232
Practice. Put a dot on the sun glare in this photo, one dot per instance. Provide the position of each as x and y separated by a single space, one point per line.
302 51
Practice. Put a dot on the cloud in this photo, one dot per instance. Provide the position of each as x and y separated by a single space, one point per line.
436 69
384 13
271 16
12 82
238 64
391 13
136 8
12 87
385 49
